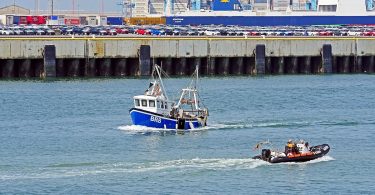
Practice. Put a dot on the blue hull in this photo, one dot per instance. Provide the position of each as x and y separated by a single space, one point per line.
270 20
148 119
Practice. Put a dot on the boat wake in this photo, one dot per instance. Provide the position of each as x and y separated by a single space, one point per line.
143 130
279 124
182 165
318 160
230 125
170 166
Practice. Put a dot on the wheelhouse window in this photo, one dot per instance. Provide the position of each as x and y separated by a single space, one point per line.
151 103
144 103
166 105
162 105
137 102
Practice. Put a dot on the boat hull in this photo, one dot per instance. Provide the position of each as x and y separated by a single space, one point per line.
270 20
149 119
317 152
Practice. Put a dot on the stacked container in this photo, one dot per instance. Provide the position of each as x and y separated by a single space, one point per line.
72 21
91 21
280 5
114 20
300 5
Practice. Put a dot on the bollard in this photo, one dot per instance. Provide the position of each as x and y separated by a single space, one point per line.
327 58
144 60
260 59
49 61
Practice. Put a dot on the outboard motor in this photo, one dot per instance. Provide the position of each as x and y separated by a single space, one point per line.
266 154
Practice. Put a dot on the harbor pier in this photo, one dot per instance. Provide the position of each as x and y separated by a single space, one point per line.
221 56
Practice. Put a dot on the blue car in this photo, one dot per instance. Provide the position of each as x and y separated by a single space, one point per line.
154 31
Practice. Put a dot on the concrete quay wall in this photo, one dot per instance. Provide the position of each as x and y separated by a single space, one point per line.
216 56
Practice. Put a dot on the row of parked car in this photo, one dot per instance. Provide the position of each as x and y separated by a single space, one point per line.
162 30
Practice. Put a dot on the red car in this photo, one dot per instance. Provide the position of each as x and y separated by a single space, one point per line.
254 33
325 33
141 31
368 33
122 30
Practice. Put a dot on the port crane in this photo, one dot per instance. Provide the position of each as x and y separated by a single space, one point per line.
127 8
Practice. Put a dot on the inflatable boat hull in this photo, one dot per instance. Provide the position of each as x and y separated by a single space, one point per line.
315 152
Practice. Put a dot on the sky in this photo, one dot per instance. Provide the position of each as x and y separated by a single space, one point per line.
84 5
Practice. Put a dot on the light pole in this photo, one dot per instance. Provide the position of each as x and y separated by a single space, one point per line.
14 6
51 8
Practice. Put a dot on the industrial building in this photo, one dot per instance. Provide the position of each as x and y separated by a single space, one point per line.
14 9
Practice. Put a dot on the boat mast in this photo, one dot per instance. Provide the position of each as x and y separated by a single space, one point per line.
161 81
197 72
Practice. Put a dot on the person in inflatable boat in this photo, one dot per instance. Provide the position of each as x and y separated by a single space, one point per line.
290 147
296 148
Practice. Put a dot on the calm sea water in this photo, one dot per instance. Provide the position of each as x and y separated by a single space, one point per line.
76 137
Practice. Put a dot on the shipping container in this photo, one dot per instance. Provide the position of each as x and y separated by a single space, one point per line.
83 20
61 21
220 5
102 20
115 20
53 20
38 20
299 5
9 20
145 20
91 21
16 20
23 20
72 21
280 5
54 17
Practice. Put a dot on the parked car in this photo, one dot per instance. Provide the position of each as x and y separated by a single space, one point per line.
18 30
141 31
211 32
6 31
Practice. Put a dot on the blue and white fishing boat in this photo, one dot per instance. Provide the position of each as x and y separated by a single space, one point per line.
154 108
